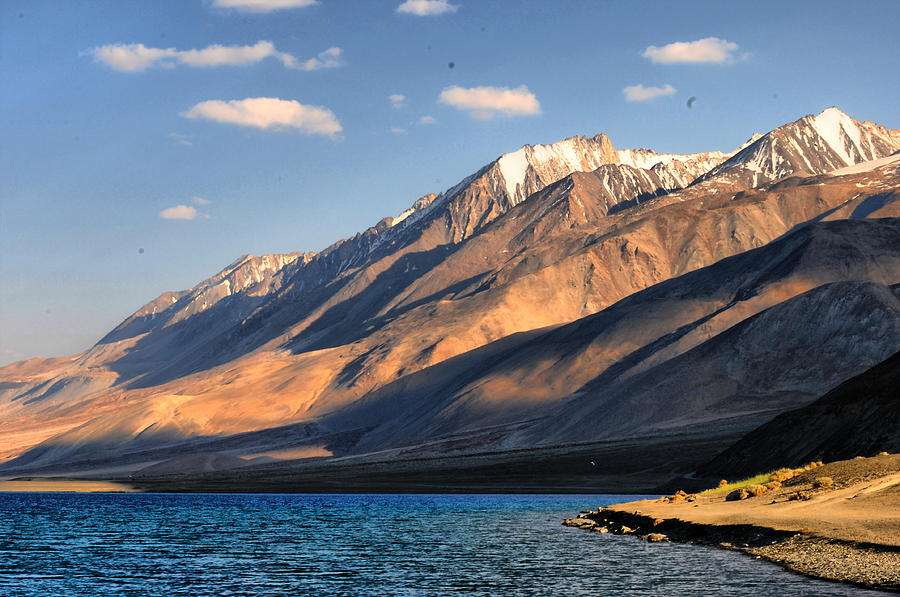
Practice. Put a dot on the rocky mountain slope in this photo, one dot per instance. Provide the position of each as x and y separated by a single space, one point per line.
540 238
282 292
860 417
810 145
653 362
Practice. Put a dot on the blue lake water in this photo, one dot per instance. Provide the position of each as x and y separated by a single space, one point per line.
146 544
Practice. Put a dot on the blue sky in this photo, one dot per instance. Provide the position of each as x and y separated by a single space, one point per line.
101 137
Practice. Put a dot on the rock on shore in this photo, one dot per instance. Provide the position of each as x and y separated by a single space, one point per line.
844 531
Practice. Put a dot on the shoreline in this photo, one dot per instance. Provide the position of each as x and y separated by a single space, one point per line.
845 530
861 564
57 485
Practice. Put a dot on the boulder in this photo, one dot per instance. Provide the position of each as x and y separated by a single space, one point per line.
737 495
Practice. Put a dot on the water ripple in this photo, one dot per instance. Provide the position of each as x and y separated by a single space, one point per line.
170 545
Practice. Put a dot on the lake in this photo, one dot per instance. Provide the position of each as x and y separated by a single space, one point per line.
508 545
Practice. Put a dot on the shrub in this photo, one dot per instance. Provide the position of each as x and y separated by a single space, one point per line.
823 482
783 474
757 489
770 481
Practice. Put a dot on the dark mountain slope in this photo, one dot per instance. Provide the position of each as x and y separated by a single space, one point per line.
606 369
860 417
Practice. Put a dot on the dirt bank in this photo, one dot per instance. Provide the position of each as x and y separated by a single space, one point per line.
845 528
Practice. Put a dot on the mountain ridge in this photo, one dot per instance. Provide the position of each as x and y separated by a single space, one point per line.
288 338
578 150
813 144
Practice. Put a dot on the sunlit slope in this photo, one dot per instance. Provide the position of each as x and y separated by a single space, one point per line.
283 339
728 344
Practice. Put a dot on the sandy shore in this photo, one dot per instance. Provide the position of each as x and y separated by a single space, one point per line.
849 531
63 485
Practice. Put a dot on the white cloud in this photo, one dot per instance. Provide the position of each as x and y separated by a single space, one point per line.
639 93
138 57
181 138
217 55
201 201
262 5
427 120
131 57
397 130
269 113
330 58
708 49
398 100
484 103
179 212
424 8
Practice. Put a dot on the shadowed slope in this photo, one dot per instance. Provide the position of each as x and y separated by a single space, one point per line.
551 273
860 417
618 352
262 346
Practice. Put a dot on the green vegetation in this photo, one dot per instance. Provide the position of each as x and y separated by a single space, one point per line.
728 487
761 483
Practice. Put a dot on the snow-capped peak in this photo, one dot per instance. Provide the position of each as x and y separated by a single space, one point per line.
647 158
811 145
829 124
420 204
549 163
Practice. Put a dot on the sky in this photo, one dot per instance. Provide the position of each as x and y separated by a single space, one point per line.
148 144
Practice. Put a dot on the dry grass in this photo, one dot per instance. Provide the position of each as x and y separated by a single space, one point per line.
729 487
760 484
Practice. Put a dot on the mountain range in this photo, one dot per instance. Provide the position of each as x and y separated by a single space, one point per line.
562 295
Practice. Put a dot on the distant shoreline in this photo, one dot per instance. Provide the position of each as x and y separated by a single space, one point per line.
625 467
49 485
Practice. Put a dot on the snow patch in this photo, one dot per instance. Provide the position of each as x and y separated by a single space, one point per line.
867 166
831 124
550 162
645 159
403 215
564 151
513 167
